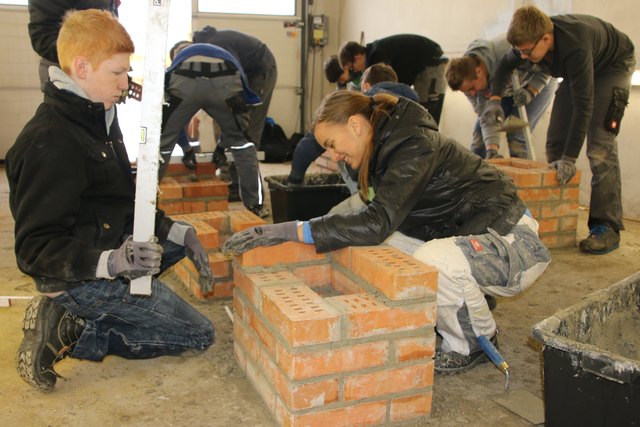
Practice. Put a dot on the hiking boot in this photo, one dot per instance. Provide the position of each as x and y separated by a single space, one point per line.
449 363
260 211
189 159
602 239
50 333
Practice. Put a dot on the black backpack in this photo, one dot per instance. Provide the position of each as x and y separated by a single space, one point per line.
275 144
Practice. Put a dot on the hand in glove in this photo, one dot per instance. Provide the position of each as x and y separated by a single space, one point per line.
262 235
522 97
492 153
493 113
135 259
566 167
196 253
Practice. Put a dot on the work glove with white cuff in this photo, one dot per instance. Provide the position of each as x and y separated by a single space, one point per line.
185 235
262 235
493 114
522 97
134 259
566 169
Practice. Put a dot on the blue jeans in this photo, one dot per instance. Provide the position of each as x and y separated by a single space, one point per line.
136 326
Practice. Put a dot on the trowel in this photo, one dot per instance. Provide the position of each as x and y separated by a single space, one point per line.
512 124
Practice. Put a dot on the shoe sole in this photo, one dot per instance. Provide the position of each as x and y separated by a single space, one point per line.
602 252
26 358
453 371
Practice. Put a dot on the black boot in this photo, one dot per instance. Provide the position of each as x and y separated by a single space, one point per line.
50 334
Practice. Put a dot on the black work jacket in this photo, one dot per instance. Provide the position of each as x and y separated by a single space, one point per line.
71 191
426 185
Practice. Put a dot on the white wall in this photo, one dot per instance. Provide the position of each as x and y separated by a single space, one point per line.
455 23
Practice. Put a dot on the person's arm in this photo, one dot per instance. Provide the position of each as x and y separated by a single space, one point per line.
409 170
503 72
579 67
45 18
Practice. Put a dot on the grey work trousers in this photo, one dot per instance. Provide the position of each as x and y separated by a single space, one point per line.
602 148
210 94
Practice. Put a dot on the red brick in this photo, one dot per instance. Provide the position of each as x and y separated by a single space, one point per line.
222 289
558 209
314 275
261 385
539 194
559 240
397 275
299 396
239 305
171 206
205 188
523 177
242 219
548 225
342 257
284 253
189 206
262 331
207 235
568 223
345 285
390 381
252 284
243 337
422 347
300 315
410 407
570 194
371 413
220 265
217 204
218 220
169 189
367 316
313 364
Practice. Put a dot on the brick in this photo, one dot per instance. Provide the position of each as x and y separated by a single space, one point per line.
220 265
169 189
397 275
539 194
284 253
207 235
261 385
410 407
243 337
415 348
390 381
218 220
314 275
570 194
261 330
205 188
217 205
558 209
559 240
242 219
523 177
299 396
568 223
313 364
251 284
345 285
342 257
371 413
367 316
548 225
222 289
300 315
239 305
171 206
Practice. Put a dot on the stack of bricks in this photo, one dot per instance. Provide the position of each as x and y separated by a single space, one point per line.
554 206
345 338
179 194
212 229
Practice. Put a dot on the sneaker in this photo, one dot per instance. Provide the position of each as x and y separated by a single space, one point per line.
602 239
260 211
189 159
450 362
50 333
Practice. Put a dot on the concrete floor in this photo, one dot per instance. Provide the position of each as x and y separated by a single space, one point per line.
210 390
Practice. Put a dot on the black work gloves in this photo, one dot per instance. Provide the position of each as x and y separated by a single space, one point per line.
566 169
135 259
263 235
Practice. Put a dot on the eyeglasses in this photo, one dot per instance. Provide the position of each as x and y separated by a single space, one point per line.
527 51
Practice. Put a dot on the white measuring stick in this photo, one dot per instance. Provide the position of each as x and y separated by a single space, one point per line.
522 111
150 122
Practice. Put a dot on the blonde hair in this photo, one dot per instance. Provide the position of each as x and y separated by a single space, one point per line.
92 33
528 25
337 107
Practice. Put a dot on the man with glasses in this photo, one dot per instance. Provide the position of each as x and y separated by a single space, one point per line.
472 74
596 62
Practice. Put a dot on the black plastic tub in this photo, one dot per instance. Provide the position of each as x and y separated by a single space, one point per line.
318 194
591 359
